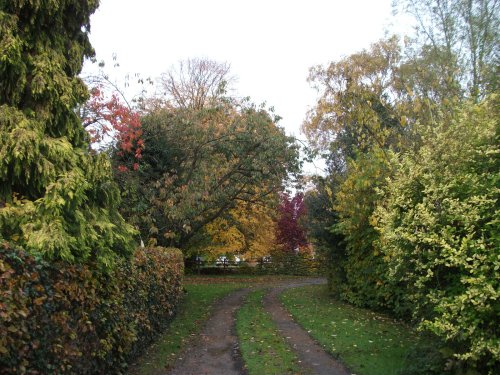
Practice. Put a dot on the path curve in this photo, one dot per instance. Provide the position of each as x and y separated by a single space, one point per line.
312 356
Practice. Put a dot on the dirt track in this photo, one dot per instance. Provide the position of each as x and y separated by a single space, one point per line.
312 356
216 350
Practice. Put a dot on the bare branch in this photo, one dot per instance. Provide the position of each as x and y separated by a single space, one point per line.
196 83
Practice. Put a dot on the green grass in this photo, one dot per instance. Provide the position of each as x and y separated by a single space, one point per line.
192 313
263 349
368 343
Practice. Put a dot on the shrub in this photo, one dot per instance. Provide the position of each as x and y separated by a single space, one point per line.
426 357
329 246
66 318
439 229
284 263
363 267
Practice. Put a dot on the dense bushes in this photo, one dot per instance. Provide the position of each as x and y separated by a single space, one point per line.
63 318
283 263
413 182
355 200
421 232
439 227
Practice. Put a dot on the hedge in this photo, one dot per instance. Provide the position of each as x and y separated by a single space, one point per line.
67 318
284 263
280 263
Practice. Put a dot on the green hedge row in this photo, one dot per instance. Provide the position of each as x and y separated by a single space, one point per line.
63 318
283 263
280 263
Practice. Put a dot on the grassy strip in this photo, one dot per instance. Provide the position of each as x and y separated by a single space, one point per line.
193 312
263 349
368 343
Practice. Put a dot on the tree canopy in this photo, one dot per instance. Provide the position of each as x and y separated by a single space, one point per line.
409 131
199 163
57 199
196 83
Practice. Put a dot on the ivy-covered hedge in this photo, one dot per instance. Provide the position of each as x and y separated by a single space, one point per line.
64 318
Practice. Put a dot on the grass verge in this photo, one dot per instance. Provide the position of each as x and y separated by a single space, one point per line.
193 312
262 347
368 343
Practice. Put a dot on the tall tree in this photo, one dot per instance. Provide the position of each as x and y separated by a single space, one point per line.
464 36
196 83
198 164
56 198
357 105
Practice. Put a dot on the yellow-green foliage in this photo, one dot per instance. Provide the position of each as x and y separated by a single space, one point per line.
57 199
61 318
439 227
355 201
285 263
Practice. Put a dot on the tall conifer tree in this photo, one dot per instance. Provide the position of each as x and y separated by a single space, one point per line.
57 198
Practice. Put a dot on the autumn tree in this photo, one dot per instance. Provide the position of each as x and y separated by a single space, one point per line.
358 120
358 107
290 232
56 198
111 117
199 163
111 121
248 230
463 37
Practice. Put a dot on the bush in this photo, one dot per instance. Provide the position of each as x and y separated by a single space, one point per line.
361 267
426 357
66 318
329 246
439 226
283 263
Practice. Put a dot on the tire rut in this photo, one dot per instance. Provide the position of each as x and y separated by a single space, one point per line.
312 356
216 352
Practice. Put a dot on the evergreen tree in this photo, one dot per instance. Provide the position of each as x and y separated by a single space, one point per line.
57 198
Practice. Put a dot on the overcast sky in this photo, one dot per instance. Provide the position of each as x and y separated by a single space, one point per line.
270 45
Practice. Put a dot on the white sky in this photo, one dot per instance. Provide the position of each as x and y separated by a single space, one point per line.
270 45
